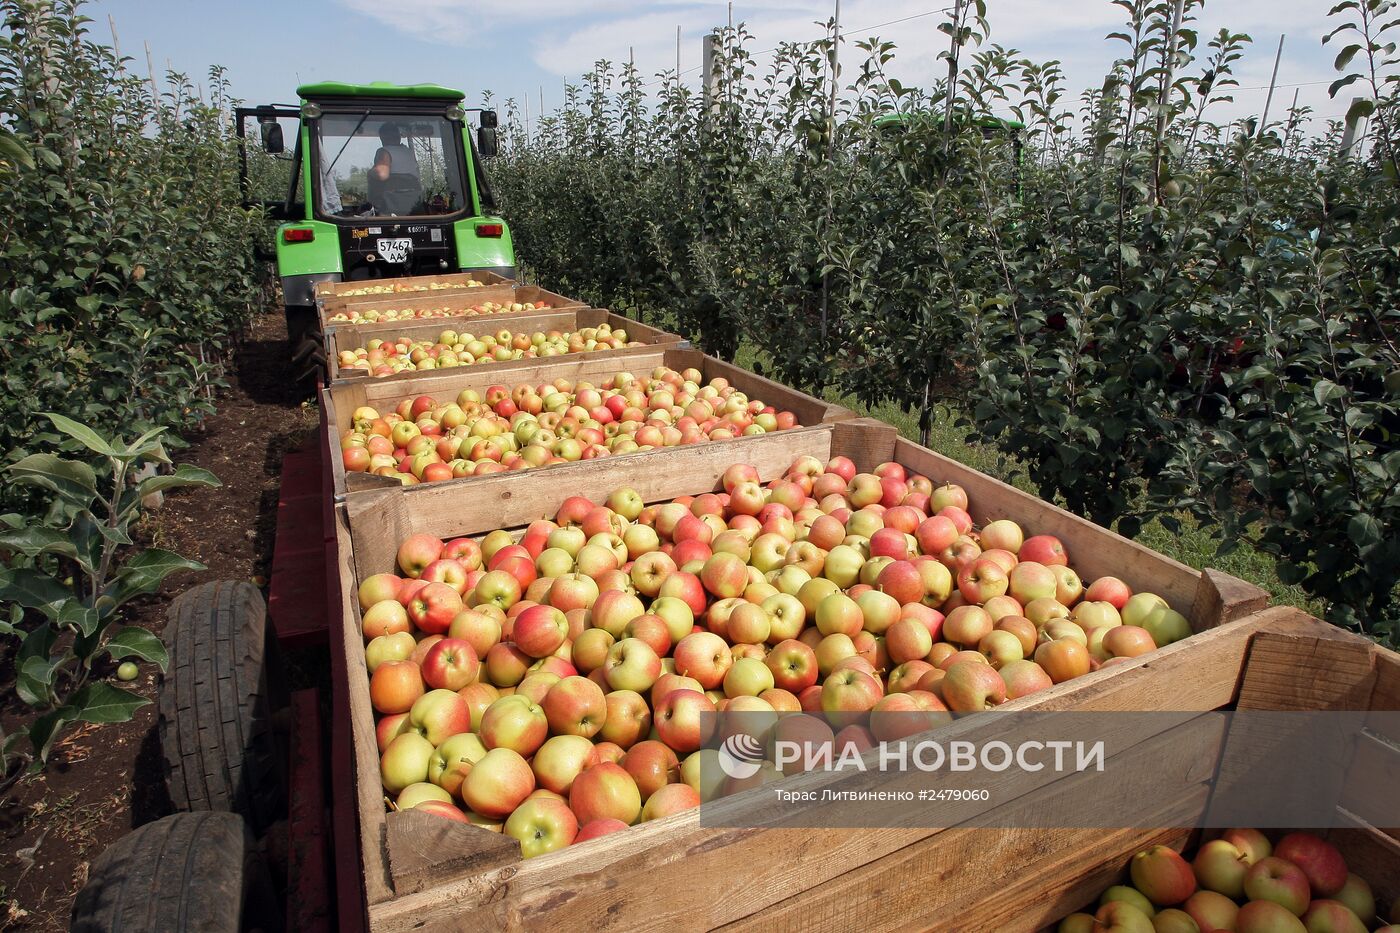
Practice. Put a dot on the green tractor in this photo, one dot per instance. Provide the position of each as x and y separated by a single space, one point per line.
383 180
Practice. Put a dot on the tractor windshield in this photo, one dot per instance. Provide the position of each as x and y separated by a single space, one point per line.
375 164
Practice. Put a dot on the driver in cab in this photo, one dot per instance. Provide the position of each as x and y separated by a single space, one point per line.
395 161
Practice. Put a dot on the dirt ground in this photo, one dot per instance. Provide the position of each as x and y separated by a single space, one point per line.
105 780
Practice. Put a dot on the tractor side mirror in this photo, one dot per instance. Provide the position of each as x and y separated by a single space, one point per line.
486 142
271 136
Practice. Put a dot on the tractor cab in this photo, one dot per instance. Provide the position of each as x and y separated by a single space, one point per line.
373 181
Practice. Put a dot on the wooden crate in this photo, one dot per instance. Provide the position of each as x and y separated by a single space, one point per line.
453 280
423 873
456 304
340 402
350 338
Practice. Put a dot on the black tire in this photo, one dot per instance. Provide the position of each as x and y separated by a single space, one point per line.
186 872
304 343
222 706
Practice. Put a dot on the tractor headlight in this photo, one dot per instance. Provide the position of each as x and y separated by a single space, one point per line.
310 111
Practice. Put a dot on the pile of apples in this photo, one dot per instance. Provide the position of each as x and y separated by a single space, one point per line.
1239 882
401 288
557 422
556 687
388 315
451 349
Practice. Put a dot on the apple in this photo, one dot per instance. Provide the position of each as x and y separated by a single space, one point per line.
496 588
1063 659
793 665
683 720
970 686
381 587
1166 626
631 665
1211 910
704 656
478 697
847 693
1000 648
1329 916
982 579
1068 587
676 613
575 706
900 715
1003 534
614 609
1128 895
1267 917
1273 879
1030 580
1220 867
514 722
1319 860
498 783
384 648
1127 641
395 686
627 718
450 664
1076 923
670 800
453 760
1024 630
652 765
1163 876
1253 844
598 828
405 762
967 626
650 570
589 651
1356 894
1121 917
1173 920
1044 549
385 618
605 791
748 624
417 552
542 824
1110 590
477 628
908 639
747 677
1023 678
506 665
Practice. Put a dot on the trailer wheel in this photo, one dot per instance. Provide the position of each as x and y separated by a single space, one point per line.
224 741
188 871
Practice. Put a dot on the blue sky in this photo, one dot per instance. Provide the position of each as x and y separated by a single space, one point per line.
514 47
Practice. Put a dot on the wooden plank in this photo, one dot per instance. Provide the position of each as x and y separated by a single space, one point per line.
1374 777
424 848
338 339
359 713
585 878
1305 664
505 500
1386 695
1094 551
989 856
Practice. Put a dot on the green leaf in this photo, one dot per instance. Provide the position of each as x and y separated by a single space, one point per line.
82 434
74 614
144 573
100 702
1324 390
36 540
184 475
134 642
1345 56
34 679
33 590
1364 531
73 481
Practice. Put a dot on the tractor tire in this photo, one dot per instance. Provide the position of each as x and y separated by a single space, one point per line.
186 872
223 719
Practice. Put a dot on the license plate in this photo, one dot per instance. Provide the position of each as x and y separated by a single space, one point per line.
394 249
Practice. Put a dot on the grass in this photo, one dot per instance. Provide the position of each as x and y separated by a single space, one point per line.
1194 546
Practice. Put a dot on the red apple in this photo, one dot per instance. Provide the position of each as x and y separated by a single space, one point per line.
498 783
1163 876
605 791
450 664
1320 861
1273 879
1267 917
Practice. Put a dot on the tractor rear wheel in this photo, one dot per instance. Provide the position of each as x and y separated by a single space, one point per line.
186 872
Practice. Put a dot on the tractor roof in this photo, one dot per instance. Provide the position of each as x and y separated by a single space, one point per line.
379 89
